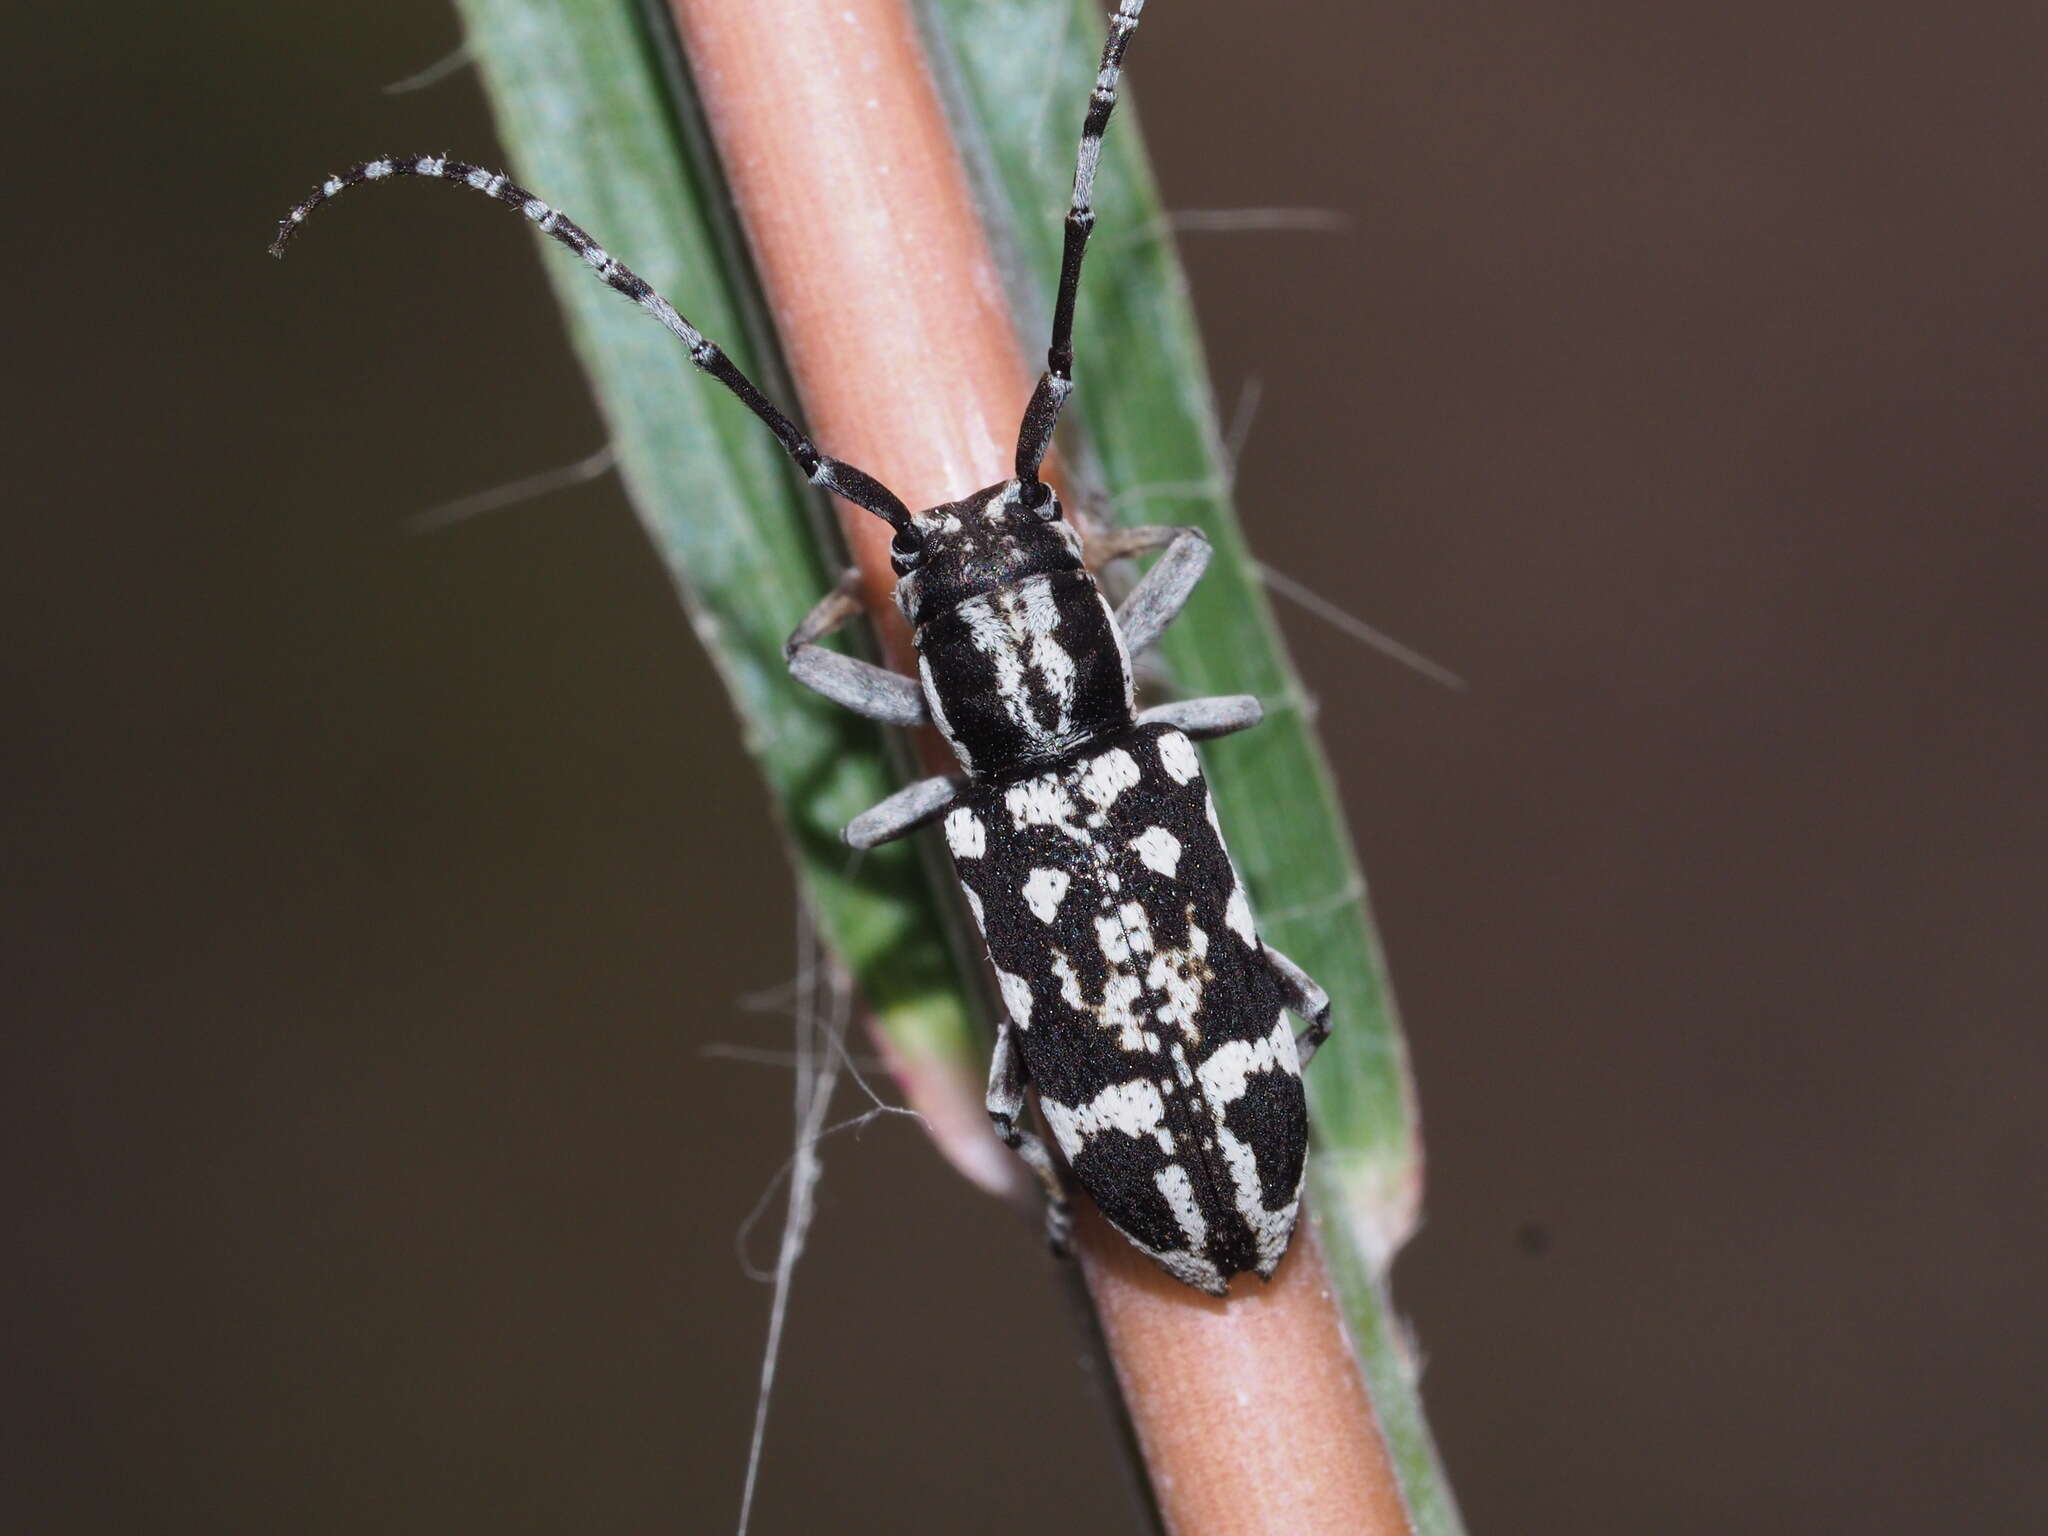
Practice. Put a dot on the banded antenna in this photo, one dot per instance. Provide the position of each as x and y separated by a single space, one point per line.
1042 415
835 475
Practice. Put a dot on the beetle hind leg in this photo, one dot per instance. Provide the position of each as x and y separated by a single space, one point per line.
1006 1113
1306 1000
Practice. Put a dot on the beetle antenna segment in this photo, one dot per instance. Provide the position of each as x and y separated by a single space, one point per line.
1042 415
843 479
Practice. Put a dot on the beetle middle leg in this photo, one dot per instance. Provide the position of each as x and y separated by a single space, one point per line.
1157 599
1204 719
915 805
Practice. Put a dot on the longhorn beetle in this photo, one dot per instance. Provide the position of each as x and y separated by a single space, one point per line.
1139 1000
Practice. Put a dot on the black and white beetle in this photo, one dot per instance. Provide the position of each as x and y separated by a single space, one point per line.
1140 1001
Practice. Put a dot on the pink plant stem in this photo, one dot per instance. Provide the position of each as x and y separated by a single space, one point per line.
1250 1411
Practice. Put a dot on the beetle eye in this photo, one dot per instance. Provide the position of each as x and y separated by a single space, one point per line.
906 549
1039 498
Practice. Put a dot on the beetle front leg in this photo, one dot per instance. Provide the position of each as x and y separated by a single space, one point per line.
868 690
1157 599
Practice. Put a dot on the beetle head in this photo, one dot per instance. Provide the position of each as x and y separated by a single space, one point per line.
995 538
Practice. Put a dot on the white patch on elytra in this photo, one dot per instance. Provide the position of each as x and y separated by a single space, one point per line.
1181 985
1016 997
1286 1052
1238 914
1107 776
1137 927
1044 892
1134 1109
1043 802
1227 1070
1178 1190
1118 1008
1116 944
1226 1074
1160 850
965 834
974 906
1177 757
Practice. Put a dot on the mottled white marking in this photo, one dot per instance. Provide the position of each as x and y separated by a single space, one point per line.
974 906
1225 1075
430 166
597 256
1180 1065
535 209
1133 1108
1173 1183
1043 802
1118 1008
479 178
331 185
992 634
965 834
1181 985
1177 757
1160 850
376 170
1070 984
1015 629
1116 944
1016 997
1137 927
1227 1070
1107 776
1041 617
1285 1051
1238 914
298 215
1044 892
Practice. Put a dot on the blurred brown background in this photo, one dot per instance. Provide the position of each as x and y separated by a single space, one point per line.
370 900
